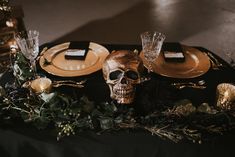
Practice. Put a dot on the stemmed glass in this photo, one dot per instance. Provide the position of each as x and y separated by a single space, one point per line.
28 42
151 44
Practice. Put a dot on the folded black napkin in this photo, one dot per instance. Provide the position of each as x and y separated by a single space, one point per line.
77 50
173 53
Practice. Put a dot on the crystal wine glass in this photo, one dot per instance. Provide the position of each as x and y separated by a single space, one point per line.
152 44
28 42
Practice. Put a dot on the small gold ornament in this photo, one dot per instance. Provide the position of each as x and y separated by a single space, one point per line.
225 96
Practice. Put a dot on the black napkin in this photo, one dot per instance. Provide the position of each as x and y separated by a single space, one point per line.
77 50
173 53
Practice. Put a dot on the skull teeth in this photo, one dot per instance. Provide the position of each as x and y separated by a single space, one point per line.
123 93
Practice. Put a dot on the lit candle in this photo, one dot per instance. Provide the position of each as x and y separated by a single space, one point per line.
41 85
11 22
226 96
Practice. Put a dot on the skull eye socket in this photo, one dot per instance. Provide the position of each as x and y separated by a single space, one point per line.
132 75
115 75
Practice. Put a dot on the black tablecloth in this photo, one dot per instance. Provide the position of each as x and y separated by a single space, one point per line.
25 141
18 139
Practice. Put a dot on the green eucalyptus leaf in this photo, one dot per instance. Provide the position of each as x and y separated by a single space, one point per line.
2 91
64 100
85 101
26 117
96 113
118 119
84 123
106 123
109 108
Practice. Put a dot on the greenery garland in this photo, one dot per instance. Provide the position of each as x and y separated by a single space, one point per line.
70 115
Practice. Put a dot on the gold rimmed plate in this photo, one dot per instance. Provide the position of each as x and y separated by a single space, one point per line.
54 62
196 64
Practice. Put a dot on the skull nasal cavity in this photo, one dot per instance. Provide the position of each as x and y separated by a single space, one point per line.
124 81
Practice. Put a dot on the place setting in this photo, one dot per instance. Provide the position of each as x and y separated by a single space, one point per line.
63 62
181 61
73 59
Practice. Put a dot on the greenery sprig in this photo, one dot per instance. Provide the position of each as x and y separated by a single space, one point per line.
70 116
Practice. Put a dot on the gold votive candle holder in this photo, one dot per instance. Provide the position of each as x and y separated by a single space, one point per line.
41 85
225 96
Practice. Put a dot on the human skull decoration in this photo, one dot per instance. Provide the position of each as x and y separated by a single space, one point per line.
122 71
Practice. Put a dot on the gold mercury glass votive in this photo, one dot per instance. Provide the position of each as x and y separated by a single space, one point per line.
41 85
225 96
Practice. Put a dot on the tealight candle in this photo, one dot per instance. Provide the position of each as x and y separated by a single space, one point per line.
41 85
226 96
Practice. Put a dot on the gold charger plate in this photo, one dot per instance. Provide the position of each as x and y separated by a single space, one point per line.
196 64
54 62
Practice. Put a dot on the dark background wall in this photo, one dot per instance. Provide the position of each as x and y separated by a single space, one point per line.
192 22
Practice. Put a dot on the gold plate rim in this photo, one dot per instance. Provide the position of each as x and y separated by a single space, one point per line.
98 49
202 67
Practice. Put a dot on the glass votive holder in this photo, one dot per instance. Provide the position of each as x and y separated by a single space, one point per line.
225 96
41 85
